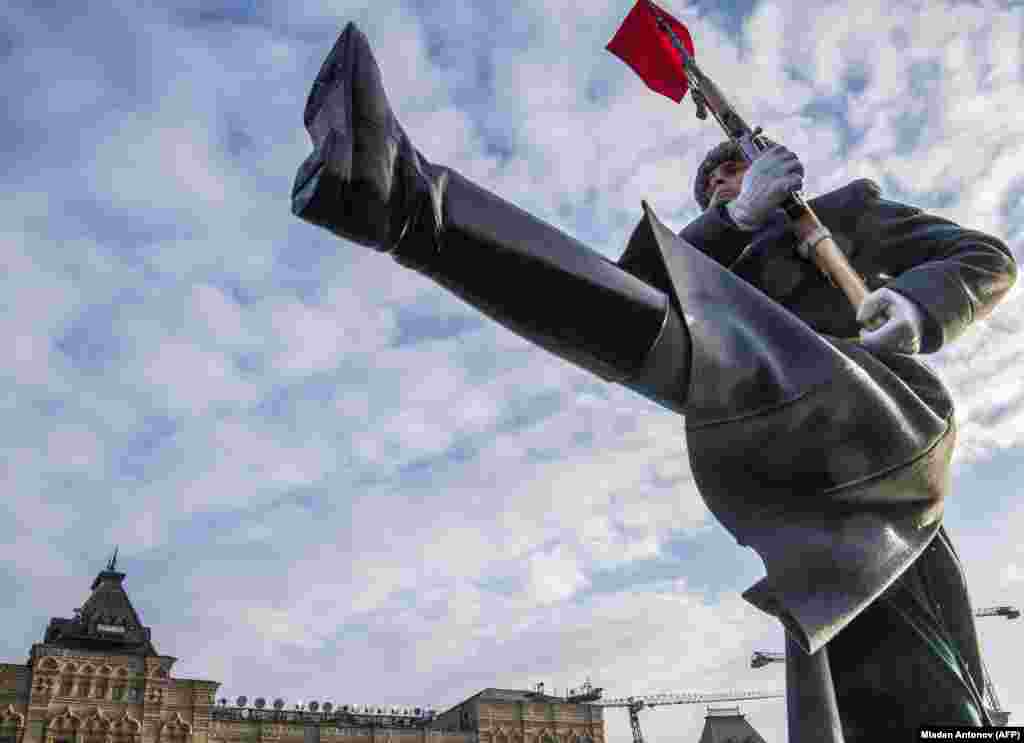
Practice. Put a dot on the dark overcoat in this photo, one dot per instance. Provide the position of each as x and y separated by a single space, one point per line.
831 461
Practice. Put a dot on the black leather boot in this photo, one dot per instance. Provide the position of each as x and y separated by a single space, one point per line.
366 182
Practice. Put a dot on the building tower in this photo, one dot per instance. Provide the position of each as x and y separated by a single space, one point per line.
728 725
97 678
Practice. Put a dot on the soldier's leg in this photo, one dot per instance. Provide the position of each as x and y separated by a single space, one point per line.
812 713
898 666
365 181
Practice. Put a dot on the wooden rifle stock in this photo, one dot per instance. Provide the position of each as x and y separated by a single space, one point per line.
826 255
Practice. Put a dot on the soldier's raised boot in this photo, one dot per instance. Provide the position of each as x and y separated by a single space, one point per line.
366 182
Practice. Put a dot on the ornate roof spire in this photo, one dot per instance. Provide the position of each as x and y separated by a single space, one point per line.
106 621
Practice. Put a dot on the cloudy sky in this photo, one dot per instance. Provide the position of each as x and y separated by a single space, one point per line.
330 479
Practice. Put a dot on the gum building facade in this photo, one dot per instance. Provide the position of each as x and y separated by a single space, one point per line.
97 678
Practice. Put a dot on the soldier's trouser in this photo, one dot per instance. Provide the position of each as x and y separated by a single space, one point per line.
900 664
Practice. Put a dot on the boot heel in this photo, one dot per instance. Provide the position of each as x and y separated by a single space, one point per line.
324 194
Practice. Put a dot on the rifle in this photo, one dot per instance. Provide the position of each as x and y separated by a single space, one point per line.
815 240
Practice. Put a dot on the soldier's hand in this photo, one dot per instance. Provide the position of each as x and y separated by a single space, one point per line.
902 322
775 174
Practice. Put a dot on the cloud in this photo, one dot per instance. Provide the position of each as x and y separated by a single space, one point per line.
315 460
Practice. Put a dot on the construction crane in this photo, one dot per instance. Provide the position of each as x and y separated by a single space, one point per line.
999 611
995 709
636 703
999 716
762 658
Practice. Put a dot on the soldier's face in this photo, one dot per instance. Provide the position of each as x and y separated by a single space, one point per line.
726 181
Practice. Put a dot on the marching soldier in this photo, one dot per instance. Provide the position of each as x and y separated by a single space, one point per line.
824 448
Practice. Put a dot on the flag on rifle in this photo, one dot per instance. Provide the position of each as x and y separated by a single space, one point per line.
642 45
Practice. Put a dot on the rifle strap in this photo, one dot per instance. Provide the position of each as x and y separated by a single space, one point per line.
806 248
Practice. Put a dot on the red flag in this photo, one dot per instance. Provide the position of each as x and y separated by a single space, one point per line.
649 51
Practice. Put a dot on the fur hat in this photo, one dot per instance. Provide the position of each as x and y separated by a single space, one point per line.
727 151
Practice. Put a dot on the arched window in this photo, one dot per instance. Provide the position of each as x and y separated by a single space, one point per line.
126 729
11 723
62 727
175 730
95 728
67 681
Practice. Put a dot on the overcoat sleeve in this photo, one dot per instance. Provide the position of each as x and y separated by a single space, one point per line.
955 275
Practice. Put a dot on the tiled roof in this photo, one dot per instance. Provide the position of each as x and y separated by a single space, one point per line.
728 728
106 621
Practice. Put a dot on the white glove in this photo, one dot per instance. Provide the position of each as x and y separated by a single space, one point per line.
775 174
903 322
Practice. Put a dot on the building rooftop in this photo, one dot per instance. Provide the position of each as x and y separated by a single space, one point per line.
728 725
106 622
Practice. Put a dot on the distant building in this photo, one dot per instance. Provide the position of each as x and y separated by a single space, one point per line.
727 725
511 716
97 678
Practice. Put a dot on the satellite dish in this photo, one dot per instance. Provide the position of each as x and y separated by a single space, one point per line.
241 701
314 706
278 703
260 702
418 712
328 706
